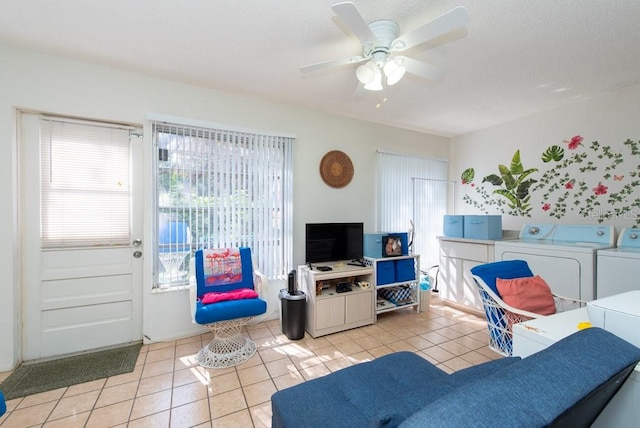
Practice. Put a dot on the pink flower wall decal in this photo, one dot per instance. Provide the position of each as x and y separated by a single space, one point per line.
546 207
569 185
600 189
574 142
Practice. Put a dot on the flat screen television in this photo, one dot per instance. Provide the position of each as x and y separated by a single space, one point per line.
328 242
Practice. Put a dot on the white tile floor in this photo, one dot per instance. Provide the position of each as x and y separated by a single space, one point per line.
169 389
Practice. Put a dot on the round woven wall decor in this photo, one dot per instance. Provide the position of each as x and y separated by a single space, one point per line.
336 169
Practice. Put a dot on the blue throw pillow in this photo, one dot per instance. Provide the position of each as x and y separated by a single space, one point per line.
506 269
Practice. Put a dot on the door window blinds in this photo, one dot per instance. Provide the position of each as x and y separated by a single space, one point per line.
413 190
229 188
85 184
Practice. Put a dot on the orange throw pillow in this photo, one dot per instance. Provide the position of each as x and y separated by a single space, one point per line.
529 294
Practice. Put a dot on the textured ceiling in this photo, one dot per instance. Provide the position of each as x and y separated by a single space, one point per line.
515 58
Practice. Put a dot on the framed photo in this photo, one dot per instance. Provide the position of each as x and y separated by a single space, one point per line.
391 246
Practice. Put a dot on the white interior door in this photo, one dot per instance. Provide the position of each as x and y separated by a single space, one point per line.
80 294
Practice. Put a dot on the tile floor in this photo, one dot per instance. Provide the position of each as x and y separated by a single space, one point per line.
169 389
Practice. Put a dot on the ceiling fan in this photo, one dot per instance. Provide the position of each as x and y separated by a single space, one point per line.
380 41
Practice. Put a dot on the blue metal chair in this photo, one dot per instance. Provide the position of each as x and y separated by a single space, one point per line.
225 275
174 239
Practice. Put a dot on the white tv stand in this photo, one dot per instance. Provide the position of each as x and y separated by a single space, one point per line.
330 311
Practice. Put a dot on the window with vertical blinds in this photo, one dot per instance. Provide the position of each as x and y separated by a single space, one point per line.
413 190
219 188
85 184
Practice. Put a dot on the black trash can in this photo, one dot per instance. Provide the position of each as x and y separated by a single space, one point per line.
293 310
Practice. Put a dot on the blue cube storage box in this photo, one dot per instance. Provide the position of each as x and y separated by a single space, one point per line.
453 226
483 227
405 270
385 272
372 245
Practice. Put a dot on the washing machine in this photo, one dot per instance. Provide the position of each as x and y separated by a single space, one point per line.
565 256
619 268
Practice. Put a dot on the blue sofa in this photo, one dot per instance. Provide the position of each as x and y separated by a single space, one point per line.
567 384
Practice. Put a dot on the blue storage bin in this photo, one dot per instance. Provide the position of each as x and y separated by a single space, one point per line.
453 226
373 245
405 270
483 227
385 272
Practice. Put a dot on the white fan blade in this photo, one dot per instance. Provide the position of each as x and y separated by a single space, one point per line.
421 69
352 18
333 63
455 18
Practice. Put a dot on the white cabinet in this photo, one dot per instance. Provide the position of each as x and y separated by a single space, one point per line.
457 257
359 307
396 281
329 314
330 311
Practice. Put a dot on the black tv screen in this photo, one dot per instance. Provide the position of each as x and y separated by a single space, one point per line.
328 242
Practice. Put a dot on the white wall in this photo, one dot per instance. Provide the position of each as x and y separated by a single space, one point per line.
44 83
610 119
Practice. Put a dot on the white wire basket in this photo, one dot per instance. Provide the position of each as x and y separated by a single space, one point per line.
501 317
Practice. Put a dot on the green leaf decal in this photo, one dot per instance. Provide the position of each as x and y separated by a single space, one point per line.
507 195
553 153
516 165
493 179
467 175
508 178
526 173
522 192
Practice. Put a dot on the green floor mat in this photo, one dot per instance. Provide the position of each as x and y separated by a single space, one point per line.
32 378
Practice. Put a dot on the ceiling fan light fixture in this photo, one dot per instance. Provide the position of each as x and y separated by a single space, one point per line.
376 83
366 73
394 70
381 38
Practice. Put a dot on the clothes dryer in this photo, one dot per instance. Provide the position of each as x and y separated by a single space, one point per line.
563 255
619 268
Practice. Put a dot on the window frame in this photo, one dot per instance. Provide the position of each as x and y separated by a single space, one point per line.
257 166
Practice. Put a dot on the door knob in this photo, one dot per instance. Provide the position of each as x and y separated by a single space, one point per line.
137 242
137 254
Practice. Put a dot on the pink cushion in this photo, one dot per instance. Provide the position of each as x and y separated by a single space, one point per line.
216 296
530 294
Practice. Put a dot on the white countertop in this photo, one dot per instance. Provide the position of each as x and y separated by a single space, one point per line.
506 235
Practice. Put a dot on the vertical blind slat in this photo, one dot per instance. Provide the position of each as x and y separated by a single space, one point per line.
413 190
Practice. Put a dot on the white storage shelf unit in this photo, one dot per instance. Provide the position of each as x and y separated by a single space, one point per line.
397 276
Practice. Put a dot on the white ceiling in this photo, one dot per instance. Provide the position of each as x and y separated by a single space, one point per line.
515 57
